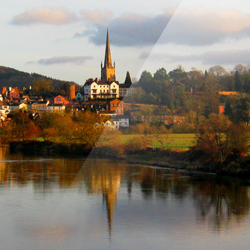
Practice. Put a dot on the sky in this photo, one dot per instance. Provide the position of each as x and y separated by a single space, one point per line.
66 39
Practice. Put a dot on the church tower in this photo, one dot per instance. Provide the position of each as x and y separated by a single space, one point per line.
107 71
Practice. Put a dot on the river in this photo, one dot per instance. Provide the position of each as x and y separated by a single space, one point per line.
74 203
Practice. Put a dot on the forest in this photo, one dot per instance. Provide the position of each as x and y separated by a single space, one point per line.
196 91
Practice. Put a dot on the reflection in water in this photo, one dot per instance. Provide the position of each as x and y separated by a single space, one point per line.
105 178
221 203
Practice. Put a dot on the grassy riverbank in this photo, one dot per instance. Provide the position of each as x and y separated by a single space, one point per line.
173 141
177 155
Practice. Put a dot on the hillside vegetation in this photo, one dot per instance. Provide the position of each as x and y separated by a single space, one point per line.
14 78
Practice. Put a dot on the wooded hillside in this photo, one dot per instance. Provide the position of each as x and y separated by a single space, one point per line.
14 78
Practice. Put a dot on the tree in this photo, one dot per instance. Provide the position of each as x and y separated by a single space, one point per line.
146 81
161 75
240 68
88 127
177 74
228 110
19 128
41 86
217 71
243 110
46 122
237 82
219 139
161 135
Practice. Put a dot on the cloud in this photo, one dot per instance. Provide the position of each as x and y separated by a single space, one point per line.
129 30
226 57
215 57
45 15
193 27
78 60
97 16
206 27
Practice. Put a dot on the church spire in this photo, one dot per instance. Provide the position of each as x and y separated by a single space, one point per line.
108 70
107 60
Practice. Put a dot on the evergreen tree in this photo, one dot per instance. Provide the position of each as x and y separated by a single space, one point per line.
228 110
145 81
246 86
237 82
161 75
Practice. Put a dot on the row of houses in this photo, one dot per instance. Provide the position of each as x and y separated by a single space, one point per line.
112 108
35 108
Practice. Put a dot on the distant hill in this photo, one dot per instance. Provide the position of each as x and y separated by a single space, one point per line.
14 78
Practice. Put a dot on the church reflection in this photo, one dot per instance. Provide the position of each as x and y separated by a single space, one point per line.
104 178
219 202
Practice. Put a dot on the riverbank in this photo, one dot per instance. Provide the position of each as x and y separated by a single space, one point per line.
174 159
48 148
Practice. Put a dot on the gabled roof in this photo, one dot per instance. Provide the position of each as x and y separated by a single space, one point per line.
99 82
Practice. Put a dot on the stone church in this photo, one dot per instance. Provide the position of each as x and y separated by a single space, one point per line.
107 87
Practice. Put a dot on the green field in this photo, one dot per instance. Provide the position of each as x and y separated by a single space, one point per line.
182 141
174 141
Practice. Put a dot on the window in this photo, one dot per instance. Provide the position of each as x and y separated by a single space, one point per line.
94 91
58 98
113 91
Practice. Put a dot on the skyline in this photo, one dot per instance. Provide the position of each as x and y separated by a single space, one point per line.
66 39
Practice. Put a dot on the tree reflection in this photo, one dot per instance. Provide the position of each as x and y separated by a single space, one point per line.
162 182
44 174
220 201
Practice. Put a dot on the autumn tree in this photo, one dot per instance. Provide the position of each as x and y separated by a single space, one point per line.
218 139
46 123
217 71
41 86
65 129
161 136
20 128
89 127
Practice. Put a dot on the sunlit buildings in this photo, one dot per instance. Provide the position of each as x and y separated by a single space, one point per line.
107 87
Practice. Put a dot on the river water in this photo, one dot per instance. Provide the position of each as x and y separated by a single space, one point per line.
63 203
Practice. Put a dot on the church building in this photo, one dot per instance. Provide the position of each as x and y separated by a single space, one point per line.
107 87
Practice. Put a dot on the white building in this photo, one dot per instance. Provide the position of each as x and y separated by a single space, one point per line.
56 108
99 89
112 124
123 121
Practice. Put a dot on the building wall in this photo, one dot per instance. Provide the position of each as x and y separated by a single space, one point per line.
108 73
72 92
60 100
14 94
117 106
95 90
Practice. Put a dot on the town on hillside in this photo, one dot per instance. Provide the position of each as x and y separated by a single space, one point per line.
103 96
176 97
